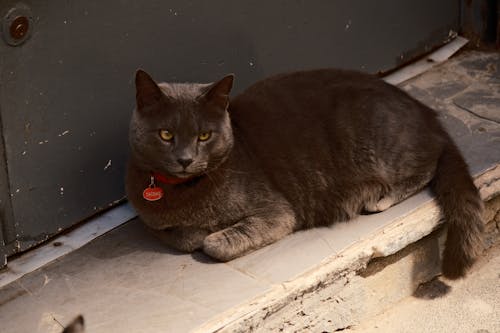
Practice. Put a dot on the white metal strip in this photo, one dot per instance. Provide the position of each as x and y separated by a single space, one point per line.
64 244
426 63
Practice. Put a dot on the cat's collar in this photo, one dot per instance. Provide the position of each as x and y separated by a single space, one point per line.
170 180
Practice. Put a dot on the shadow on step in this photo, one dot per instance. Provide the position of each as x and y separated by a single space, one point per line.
422 259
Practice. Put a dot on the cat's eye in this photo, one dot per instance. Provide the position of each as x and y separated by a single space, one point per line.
166 135
204 136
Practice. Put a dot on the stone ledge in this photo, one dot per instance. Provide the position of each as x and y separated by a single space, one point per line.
341 291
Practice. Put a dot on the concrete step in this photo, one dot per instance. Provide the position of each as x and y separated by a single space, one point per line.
356 288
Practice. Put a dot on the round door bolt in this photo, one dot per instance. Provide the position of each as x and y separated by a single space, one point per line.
17 25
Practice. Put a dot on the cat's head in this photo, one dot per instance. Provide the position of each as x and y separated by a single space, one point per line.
180 129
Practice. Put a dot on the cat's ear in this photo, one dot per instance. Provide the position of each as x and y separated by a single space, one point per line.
218 92
76 326
147 91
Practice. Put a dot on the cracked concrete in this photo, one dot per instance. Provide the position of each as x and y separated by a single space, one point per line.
472 305
465 90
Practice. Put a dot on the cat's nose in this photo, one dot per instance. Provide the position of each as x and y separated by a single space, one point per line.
185 162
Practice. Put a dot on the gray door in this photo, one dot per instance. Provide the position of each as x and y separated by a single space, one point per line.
66 93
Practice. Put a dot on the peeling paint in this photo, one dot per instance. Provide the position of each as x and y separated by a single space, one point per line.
108 165
63 133
348 25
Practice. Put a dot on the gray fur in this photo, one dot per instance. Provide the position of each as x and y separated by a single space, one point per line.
293 151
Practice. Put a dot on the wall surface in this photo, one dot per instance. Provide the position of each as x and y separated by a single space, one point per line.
66 94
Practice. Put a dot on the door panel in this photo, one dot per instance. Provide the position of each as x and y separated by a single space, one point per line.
67 93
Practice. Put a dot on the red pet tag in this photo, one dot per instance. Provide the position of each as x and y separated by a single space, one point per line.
152 193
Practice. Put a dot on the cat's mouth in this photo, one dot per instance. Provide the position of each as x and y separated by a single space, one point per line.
185 174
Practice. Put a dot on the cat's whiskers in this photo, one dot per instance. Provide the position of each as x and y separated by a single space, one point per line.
233 170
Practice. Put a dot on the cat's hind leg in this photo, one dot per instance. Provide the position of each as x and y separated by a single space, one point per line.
251 233
375 206
398 193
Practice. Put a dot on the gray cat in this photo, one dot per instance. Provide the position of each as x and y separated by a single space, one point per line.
293 151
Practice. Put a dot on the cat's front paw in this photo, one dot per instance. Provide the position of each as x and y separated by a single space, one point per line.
219 246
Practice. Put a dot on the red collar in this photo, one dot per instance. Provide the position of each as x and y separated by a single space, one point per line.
170 180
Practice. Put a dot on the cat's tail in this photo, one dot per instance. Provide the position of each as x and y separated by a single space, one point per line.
462 209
